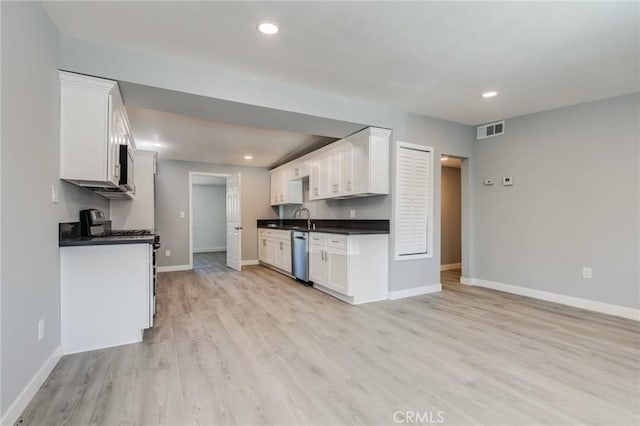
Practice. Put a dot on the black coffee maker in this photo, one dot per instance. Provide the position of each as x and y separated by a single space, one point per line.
92 222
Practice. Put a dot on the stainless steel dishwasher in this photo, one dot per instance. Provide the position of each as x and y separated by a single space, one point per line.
300 255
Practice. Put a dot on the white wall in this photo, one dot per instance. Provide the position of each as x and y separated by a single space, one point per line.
29 280
574 202
209 218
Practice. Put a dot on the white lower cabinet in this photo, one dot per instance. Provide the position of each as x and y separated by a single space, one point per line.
103 305
318 268
274 249
353 268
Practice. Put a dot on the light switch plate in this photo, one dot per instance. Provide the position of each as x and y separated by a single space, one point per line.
507 181
41 329
181 215
488 182
352 213
587 273
54 194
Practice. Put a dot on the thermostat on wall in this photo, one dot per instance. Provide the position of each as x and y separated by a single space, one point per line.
488 182
507 181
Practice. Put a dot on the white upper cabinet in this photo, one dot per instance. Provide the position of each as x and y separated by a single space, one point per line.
369 163
356 166
319 177
93 126
300 170
284 190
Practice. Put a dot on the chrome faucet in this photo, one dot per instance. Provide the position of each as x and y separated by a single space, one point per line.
298 213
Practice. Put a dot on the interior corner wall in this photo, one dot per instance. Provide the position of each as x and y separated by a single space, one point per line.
451 217
209 218
29 280
575 202
172 197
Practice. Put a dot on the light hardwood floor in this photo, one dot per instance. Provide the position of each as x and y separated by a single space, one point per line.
258 348
214 259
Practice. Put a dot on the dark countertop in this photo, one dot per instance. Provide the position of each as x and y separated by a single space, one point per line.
329 226
101 241
69 236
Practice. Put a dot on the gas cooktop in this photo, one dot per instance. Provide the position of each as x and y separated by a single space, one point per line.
126 232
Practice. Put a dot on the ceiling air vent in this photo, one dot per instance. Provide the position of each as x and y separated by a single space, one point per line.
490 130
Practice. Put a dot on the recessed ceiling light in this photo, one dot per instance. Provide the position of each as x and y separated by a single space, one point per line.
157 144
248 157
489 94
268 28
444 158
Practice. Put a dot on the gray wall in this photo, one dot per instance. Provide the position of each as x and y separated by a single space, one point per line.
574 203
29 281
172 197
451 224
209 217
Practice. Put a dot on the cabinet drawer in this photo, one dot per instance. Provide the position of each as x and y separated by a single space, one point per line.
280 235
317 239
337 241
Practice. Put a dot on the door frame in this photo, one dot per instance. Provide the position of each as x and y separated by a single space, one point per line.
191 175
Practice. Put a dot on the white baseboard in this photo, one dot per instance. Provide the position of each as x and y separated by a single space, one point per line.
451 266
416 291
174 268
250 262
576 302
16 408
209 249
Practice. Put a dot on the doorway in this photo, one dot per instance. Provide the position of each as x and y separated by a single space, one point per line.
451 221
214 230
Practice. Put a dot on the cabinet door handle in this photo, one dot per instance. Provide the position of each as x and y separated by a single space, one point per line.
349 186
335 241
281 245
281 197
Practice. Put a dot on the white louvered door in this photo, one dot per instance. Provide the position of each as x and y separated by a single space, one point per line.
414 194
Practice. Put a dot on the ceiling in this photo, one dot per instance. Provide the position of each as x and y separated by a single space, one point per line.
183 137
431 58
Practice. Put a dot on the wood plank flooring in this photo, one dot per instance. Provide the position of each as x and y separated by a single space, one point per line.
258 348
214 259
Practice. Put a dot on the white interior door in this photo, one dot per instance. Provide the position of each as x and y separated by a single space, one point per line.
234 223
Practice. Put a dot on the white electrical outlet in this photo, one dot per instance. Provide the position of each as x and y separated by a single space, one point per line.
181 215
507 181
352 213
41 329
587 273
167 253
54 194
